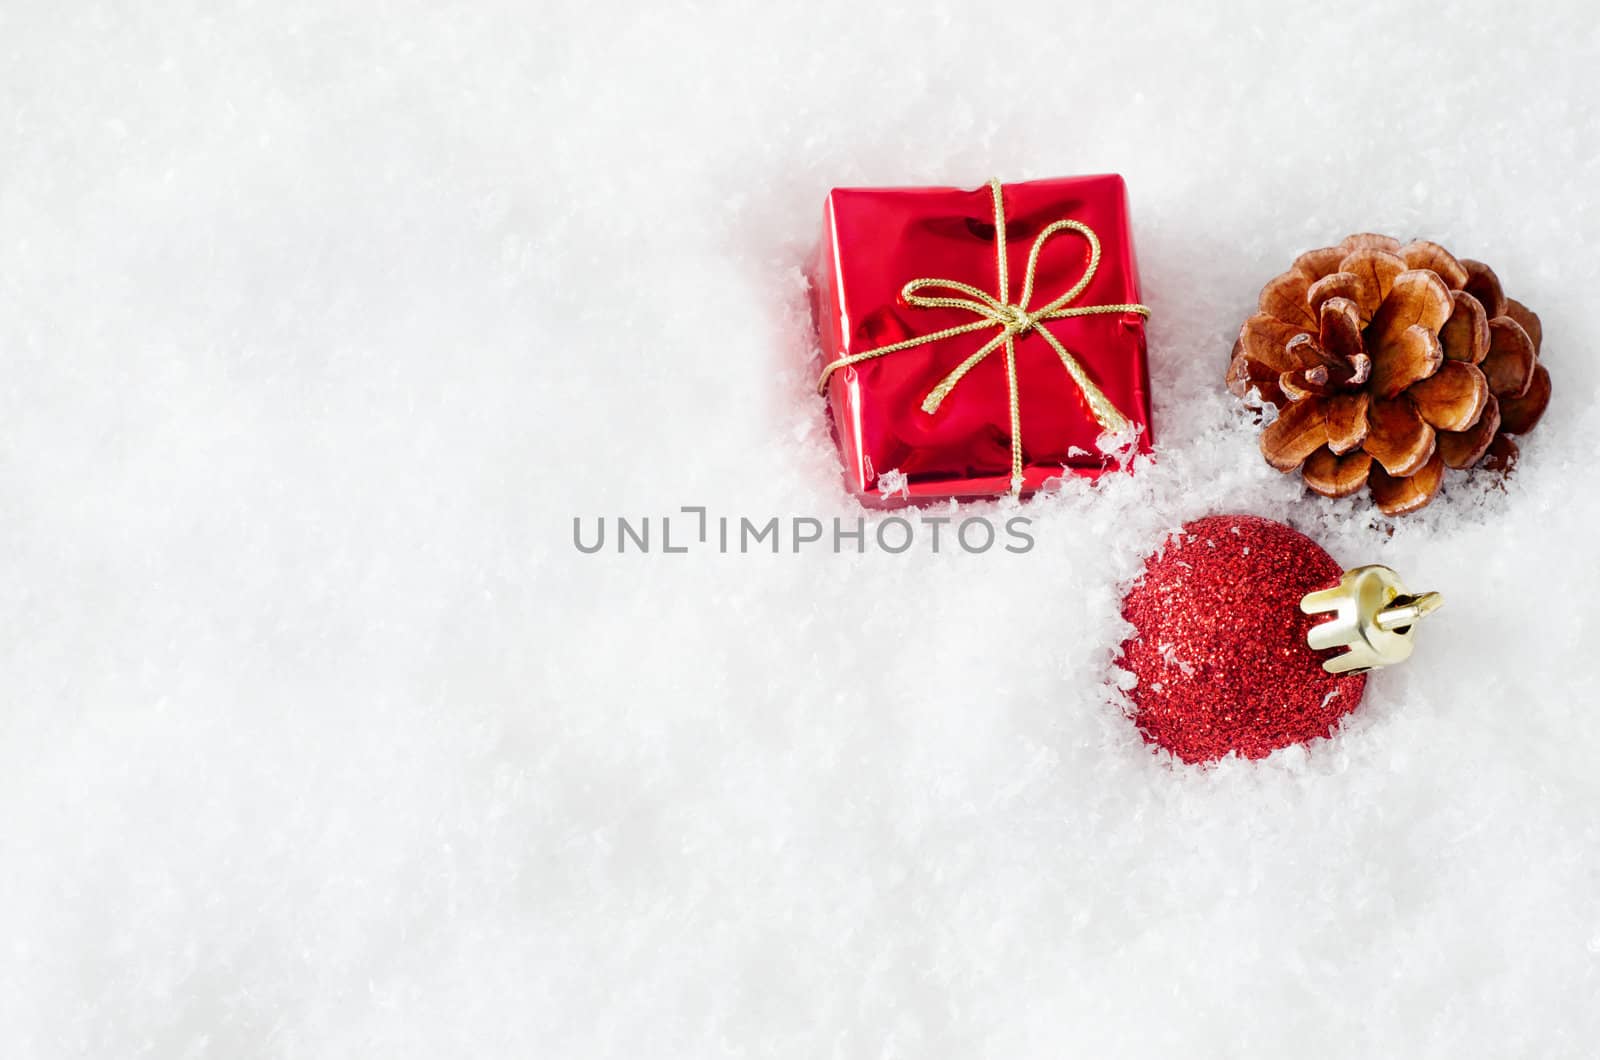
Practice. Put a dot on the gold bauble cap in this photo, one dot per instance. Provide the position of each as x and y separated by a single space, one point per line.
1375 619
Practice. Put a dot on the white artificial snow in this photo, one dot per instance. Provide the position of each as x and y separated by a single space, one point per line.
320 323
893 483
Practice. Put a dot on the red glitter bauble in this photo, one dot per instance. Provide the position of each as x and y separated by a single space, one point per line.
1220 651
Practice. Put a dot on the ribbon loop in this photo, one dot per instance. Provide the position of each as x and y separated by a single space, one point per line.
1013 320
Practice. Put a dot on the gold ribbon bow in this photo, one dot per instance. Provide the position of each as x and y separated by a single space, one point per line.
1012 320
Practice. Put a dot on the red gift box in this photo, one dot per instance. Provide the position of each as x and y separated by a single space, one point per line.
948 375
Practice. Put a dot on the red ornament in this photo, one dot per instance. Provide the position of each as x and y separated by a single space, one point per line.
1220 651
950 376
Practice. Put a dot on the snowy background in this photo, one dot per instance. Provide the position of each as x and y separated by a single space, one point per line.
319 323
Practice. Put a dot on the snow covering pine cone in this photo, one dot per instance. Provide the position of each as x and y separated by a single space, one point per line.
1387 364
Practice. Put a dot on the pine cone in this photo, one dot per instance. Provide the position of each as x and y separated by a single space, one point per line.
1389 363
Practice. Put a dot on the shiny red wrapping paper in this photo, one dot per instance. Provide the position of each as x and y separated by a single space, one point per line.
876 240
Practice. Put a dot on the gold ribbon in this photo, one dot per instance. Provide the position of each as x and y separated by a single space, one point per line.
1013 319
